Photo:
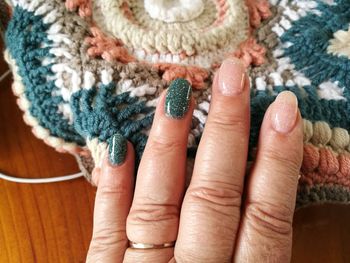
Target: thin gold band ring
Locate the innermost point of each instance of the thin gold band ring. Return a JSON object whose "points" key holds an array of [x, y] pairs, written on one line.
{"points": [[150, 246]]}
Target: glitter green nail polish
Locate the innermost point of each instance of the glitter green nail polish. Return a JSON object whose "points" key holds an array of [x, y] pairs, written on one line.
{"points": [[178, 98], [117, 149]]}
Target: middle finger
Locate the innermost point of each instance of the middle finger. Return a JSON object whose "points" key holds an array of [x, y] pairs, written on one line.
{"points": [[211, 209]]}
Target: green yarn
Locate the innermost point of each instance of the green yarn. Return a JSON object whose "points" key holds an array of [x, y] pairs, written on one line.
{"points": [[109, 114], [297, 39], [312, 108], [322, 194], [100, 113], [25, 36], [310, 36]]}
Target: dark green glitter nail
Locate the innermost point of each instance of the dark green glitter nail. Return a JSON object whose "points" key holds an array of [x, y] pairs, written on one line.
{"points": [[178, 98], [117, 149]]}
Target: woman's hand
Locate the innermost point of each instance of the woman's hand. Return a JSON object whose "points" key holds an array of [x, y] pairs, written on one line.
{"points": [[210, 222]]}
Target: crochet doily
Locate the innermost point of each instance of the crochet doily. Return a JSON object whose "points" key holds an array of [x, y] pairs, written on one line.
{"points": [[87, 69]]}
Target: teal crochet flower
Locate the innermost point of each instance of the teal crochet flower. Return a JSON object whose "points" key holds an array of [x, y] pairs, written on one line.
{"points": [[310, 37]]}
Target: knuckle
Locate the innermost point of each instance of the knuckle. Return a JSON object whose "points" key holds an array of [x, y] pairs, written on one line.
{"points": [[290, 161], [229, 122], [216, 195], [203, 254], [269, 219], [106, 238], [225, 173], [145, 214], [113, 192], [187, 256], [163, 144]]}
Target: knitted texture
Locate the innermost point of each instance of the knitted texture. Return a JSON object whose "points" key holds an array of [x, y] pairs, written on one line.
{"points": [[85, 70]]}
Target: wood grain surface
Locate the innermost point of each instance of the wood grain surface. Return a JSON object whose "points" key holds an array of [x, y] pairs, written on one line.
{"points": [[53, 222]]}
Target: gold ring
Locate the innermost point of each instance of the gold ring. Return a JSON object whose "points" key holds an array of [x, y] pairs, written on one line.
{"points": [[150, 246]]}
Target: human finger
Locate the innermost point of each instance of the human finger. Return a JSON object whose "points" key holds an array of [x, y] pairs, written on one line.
{"points": [[211, 209], [266, 225], [112, 203], [154, 214]]}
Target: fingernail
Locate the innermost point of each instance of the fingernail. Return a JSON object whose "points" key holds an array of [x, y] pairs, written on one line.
{"points": [[231, 77], [284, 112], [117, 149], [177, 100]]}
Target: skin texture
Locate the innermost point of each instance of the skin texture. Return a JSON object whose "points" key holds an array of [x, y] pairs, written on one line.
{"points": [[225, 215]]}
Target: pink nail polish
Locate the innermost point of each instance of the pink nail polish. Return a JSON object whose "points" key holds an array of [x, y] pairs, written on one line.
{"points": [[231, 77], [284, 112]]}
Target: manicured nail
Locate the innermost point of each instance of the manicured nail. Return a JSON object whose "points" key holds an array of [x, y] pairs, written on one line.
{"points": [[231, 77], [117, 149], [284, 112], [178, 97]]}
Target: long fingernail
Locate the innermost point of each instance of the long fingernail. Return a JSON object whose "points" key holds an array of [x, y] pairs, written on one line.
{"points": [[231, 77], [284, 112], [178, 97], [117, 149]]}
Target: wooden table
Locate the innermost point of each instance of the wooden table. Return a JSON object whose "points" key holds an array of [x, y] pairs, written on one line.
{"points": [[52, 222]]}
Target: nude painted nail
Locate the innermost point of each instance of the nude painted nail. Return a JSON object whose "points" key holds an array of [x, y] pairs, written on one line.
{"points": [[231, 77], [284, 112]]}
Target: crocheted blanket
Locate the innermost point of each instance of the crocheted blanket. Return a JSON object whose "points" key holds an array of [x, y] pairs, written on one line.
{"points": [[87, 69]]}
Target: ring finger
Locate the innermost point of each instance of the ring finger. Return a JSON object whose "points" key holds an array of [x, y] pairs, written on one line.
{"points": [[154, 216]]}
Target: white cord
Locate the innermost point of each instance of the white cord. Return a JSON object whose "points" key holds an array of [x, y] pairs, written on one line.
{"points": [[3, 76], [36, 180], [41, 180]]}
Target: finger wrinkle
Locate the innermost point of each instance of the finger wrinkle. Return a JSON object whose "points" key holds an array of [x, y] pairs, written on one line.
{"points": [[269, 219]]}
